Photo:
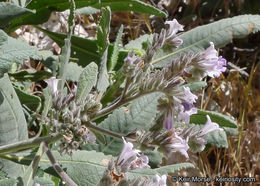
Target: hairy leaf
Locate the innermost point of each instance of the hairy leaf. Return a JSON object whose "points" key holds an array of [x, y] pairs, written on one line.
{"points": [[25, 75], [87, 167], [138, 115], [87, 81], [220, 33], [13, 125], [118, 42], [73, 72]]}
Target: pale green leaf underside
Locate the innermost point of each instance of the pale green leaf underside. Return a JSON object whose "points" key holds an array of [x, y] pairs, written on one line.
{"points": [[13, 126], [138, 115]]}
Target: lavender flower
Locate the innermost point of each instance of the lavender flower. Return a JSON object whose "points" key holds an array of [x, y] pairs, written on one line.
{"points": [[130, 158], [132, 63], [207, 63], [198, 140], [171, 37], [175, 143], [168, 120]]}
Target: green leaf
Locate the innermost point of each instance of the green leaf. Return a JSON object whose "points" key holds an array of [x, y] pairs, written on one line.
{"points": [[8, 182], [44, 181], [13, 126], [220, 33], [87, 81], [29, 174], [14, 51], [31, 101], [47, 103], [31, 75], [115, 53], [83, 49], [87, 167], [222, 120], [103, 43], [73, 72], [44, 8], [10, 11], [139, 115]]}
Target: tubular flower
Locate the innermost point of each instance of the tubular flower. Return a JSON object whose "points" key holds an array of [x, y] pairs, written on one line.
{"points": [[207, 63], [130, 158], [171, 34], [198, 140], [53, 84]]}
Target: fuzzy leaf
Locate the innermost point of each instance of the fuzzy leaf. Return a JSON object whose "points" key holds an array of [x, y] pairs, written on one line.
{"points": [[220, 33], [138, 115], [218, 139], [25, 75], [222, 120], [115, 53], [87, 167], [14, 51], [195, 86], [73, 72], [103, 42], [13, 126], [87, 80]]}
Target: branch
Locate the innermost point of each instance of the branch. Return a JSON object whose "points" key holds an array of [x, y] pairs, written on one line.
{"points": [[27, 144], [57, 167]]}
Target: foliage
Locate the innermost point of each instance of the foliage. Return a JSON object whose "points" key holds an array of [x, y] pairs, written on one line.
{"points": [[109, 99]]}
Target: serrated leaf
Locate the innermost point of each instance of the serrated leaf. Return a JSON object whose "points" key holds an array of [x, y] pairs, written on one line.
{"points": [[220, 33], [30, 75], [45, 7], [13, 126], [222, 120], [83, 49], [138, 115], [103, 42], [14, 51], [31, 101], [118, 42], [87, 80], [10, 11], [87, 167]]}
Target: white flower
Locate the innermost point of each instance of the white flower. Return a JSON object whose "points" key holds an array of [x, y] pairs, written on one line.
{"points": [[171, 37], [209, 127], [53, 84], [160, 180]]}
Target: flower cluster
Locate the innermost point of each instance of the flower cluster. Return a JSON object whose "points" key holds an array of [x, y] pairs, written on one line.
{"points": [[129, 159], [67, 116]]}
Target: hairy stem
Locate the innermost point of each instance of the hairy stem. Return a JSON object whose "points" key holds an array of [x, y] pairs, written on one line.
{"points": [[57, 167], [28, 144]]}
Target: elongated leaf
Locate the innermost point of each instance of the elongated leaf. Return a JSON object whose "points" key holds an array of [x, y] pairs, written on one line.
{"points": [[29, 174], [103, 42], [87, 80], [45, 7], [10, 11], [222, 120], [139, 115], [115, 53], [84, 49], [220, 33], [87, 167], [14, 51], [13, 125]]}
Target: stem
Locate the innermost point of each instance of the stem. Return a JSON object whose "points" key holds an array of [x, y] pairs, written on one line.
{"points": [[116, 105], [104, 131], [57, 167], [27, 144]]}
